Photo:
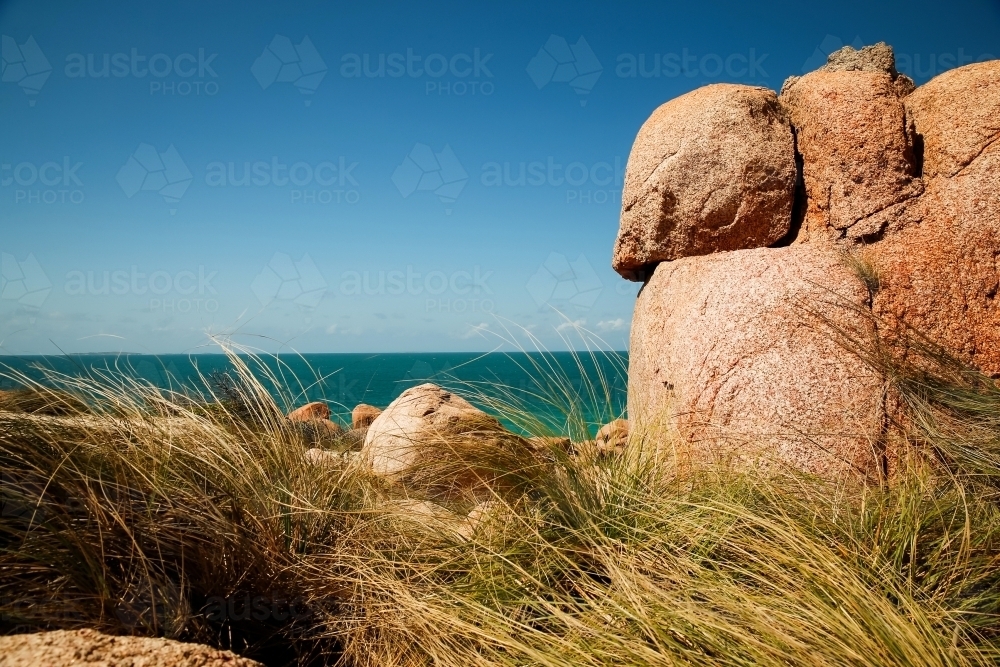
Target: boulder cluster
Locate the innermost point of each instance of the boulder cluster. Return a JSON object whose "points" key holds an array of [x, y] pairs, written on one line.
{"points": [[741, 212]]}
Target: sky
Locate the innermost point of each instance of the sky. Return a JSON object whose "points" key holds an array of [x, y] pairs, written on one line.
{"points": [[365, 177]]}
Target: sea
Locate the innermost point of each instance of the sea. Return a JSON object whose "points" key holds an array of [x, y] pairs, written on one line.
{"points": [[551, 387]]}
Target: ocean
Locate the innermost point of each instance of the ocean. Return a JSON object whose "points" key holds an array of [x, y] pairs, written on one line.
{"points": [[547, 385]]}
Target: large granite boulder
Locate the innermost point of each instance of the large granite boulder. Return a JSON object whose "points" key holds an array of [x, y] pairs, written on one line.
{"points": [[711, 170], [732, 354]]}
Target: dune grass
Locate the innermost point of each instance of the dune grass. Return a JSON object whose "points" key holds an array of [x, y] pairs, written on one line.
{"points": [[137, 512]]}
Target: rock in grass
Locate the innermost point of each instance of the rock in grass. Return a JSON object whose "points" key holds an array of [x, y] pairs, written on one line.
{"points": [[314, 411], [363, 415], [742, 370], [425, 427], [90, 648], [613, 436]]}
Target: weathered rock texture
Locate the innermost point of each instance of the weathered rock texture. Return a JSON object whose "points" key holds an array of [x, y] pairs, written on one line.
{"points": [[711, 170], [89, 648], [727, 348], [424, 424], [858, 159], [613, 436], [941, 274]]}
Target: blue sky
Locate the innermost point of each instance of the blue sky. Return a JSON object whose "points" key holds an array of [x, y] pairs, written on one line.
{"points": [[420, 175]]}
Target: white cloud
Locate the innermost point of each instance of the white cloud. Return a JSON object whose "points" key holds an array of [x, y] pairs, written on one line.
{"points": [[575, 324], [332, 329], [616, 324], [476, 330]]}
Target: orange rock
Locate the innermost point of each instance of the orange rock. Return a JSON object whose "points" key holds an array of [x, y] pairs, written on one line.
{"points": [[858, 160], [942, 275], [956, 116], [315, 411], [363, 415], [711, 170]]}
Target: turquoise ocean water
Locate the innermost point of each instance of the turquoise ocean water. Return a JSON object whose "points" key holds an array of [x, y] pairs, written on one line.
{"points": [[545, 385]]}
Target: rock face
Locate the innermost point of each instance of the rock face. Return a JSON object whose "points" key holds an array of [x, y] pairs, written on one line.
{"points": [[363, 415], [858, 158], [422, 425], [711, 170], [942, 274], [735, 351], [731, 364], [89, 648], [956, 116], [310, 412]]}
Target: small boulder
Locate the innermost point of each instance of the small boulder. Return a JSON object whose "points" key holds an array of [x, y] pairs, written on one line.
{"points": [[323, 457], [363, 415], [710, 170], [314, 411], [613, 436], [424, 427]]}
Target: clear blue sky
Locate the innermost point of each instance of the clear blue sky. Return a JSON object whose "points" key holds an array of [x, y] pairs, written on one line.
{"points": [[420, 174]]}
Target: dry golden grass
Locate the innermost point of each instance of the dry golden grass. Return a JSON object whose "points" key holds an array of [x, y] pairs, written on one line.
{"points": [[141, 513]]}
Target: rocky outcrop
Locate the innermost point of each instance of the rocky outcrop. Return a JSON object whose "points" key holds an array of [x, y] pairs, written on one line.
{"points": [[363, 415], [89, 648], [424, 429], [735, 351], [711, 170], [315, 411]]}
